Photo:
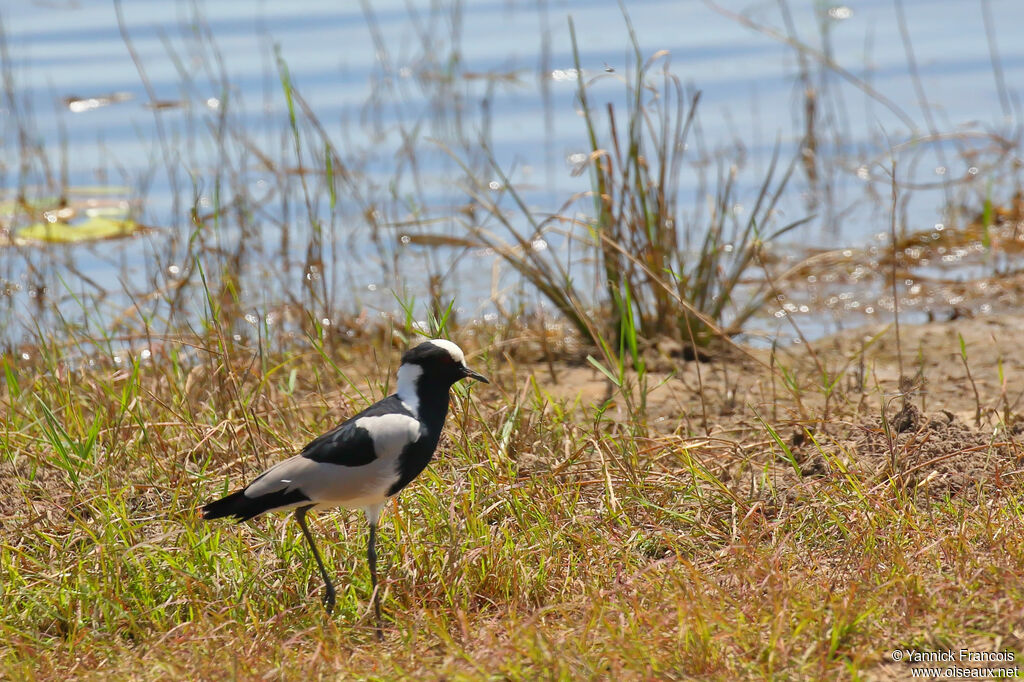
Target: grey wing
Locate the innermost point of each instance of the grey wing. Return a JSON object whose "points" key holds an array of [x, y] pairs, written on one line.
{"points": [[347, 445], [359, 440], [352, 466]]}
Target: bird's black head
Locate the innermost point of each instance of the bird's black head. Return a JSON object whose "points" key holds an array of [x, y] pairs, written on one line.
{"points": [[441, 362]]}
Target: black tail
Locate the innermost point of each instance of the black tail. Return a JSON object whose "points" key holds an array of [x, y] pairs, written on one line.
{"points": [[244, 508]]}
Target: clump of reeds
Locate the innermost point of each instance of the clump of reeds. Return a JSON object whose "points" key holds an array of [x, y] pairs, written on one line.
{"points": [[655, 273]]}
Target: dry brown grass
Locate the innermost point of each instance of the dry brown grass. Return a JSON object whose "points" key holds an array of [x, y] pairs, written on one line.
{"points": [[552, 538]]}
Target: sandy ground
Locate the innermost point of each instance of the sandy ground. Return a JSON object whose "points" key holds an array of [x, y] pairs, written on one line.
{"points": [[951, 413]]}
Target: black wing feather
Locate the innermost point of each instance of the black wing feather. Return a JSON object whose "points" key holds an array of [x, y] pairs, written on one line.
{"points": [[244, 508], [350, 445]]}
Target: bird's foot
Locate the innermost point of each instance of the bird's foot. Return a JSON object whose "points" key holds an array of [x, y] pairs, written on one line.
{"points": [[328, 600]]}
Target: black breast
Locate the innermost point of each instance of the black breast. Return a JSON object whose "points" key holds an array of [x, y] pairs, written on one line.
{"points": [[414, 459]]}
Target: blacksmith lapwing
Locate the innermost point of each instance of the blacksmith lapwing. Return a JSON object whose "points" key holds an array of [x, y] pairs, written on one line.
{"points": [[365, 460]]}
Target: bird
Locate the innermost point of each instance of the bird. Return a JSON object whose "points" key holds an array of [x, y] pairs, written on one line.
{"points": [[365, 460]]}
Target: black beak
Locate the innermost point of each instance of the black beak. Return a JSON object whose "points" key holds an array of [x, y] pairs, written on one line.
{"points": [[467, 372]]}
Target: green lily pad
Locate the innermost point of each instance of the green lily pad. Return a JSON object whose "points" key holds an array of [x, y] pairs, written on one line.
{"points": [[84, 214], [91, 229]]}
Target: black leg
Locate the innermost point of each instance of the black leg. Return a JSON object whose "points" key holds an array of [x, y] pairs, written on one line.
{"points": [[371, 556], [300, 516]]}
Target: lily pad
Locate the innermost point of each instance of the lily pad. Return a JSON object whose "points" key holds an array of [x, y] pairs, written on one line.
{"points": [[91, 229], [86, 214]]}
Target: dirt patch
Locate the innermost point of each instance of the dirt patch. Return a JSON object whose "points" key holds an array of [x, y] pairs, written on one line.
{"points": [[937, 454], [26, 492], [952, 427]]}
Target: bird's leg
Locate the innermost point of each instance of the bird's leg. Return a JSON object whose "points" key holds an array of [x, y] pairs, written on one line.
{"points": [[371, 557], [300, 516]]}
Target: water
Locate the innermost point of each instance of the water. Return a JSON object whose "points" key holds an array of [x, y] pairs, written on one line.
{"points": [[395, 87]]}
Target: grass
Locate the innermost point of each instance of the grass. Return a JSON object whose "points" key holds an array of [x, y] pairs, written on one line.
{"points": [[545, 541]]}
